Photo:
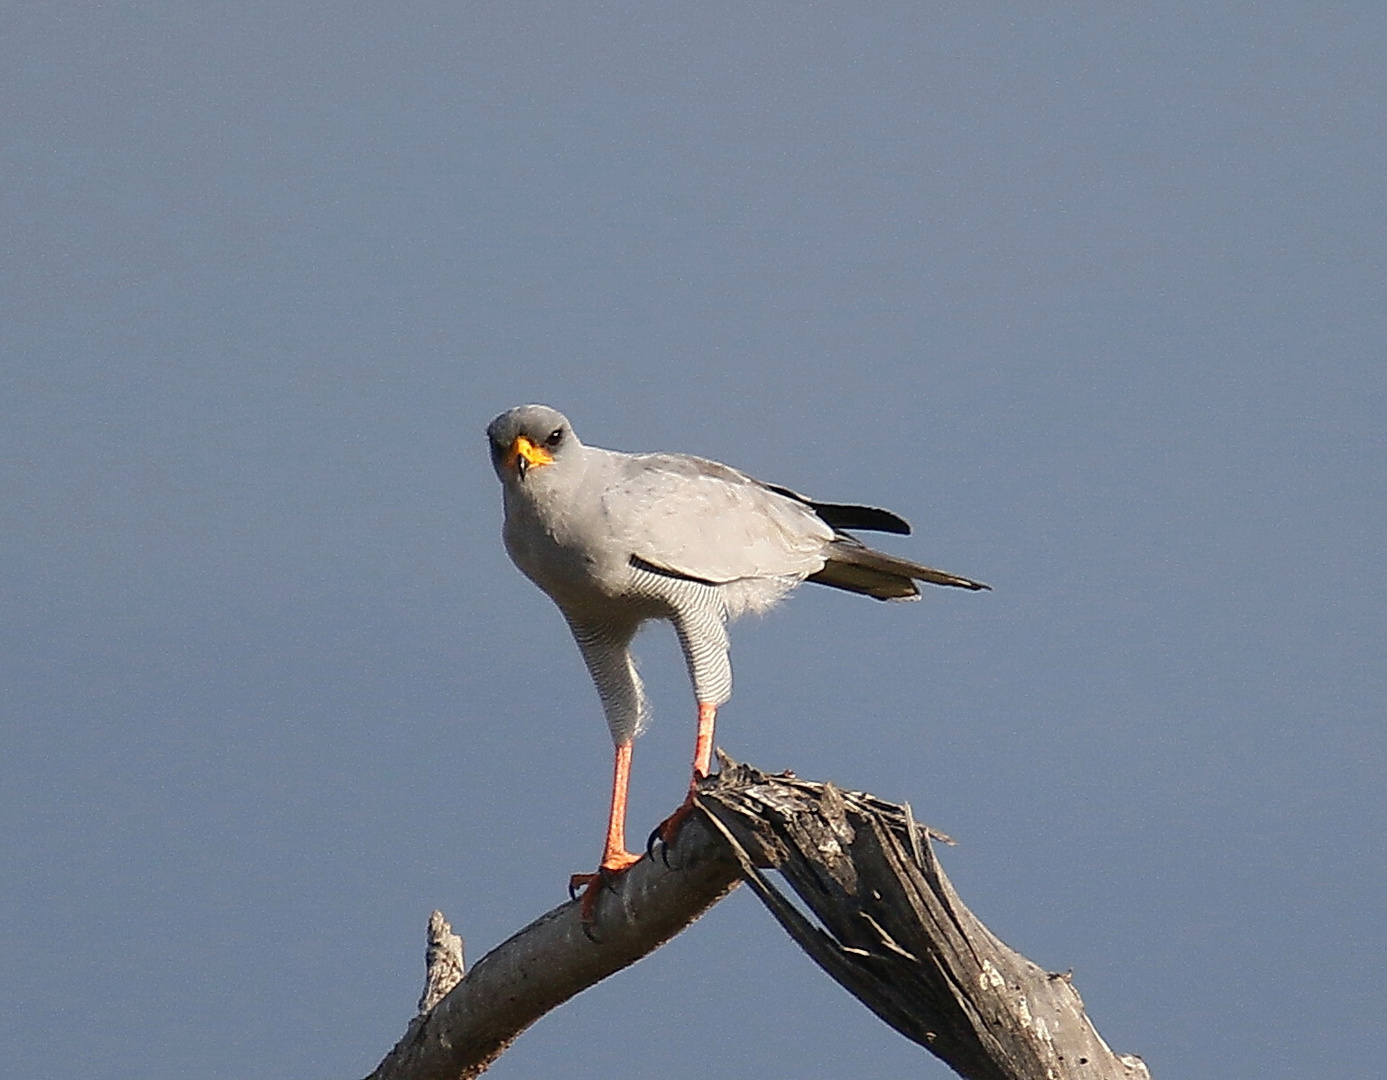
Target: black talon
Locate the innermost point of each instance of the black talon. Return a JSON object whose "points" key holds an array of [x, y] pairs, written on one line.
{"points": [[657, 834]]}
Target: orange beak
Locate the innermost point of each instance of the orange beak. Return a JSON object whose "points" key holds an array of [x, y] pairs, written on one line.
{"points": [[525, 455]]}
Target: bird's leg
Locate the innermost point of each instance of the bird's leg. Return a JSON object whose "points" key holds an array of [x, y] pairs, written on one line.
{"points": [[615, 857], [703, 744], [668, 829]]}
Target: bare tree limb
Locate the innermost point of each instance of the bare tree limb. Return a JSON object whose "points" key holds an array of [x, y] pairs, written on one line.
{"points": [[891, 930], [552, 959]]}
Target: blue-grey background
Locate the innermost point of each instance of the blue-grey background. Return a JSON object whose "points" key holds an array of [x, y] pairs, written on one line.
{"points": [[1092, 293]]}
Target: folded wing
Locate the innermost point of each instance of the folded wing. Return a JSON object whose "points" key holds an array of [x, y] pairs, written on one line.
{"points": [[699, 519]]}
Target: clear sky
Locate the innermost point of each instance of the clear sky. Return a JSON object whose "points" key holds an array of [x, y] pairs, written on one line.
{"points": [[1093, 294]]}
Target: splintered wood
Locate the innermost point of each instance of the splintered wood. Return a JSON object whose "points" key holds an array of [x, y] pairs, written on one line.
{"points": [[894, 933]]}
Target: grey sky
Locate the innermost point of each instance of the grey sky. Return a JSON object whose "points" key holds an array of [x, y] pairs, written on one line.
{"points": [[1091, 295]]}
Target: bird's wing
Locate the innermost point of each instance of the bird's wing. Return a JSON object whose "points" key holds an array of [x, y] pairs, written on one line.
{"points": [[699, 519]]}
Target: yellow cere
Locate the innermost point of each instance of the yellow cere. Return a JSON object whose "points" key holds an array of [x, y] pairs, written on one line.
{"points": [[533, 453]]}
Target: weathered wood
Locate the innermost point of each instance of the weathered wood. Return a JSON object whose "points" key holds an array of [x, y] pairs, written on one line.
{"points": [[444, 966], [896, 936], [893, 932], [553, 959]]}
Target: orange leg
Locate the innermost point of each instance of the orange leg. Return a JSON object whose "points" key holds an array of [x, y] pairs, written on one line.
{"points": [[703, 744], [702, 762], [615, 857]]}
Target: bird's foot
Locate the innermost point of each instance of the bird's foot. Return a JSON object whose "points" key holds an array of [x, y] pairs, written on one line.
{"points": [[612, 865], [668, 830]]}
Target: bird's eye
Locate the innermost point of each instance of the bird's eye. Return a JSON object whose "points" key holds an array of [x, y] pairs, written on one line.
{"points": [[555, 437]]}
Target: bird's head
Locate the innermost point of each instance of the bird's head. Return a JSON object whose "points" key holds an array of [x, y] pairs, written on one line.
{"points": [[529, 437]]}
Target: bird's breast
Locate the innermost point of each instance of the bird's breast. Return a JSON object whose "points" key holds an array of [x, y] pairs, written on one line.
{"points": [[563, 561]]}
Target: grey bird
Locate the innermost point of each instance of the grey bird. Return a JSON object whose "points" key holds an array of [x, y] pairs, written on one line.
{"points": [[617, 539]]}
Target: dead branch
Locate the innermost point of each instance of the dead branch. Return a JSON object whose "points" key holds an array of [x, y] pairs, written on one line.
{"points": [[896, 935], [893, 932], [553, 959]]}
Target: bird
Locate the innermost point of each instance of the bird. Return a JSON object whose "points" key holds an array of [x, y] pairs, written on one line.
{"points": [[619, 539]]}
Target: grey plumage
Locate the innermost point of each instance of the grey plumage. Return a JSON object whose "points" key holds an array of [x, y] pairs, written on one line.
{"points": [[617, 539]]}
